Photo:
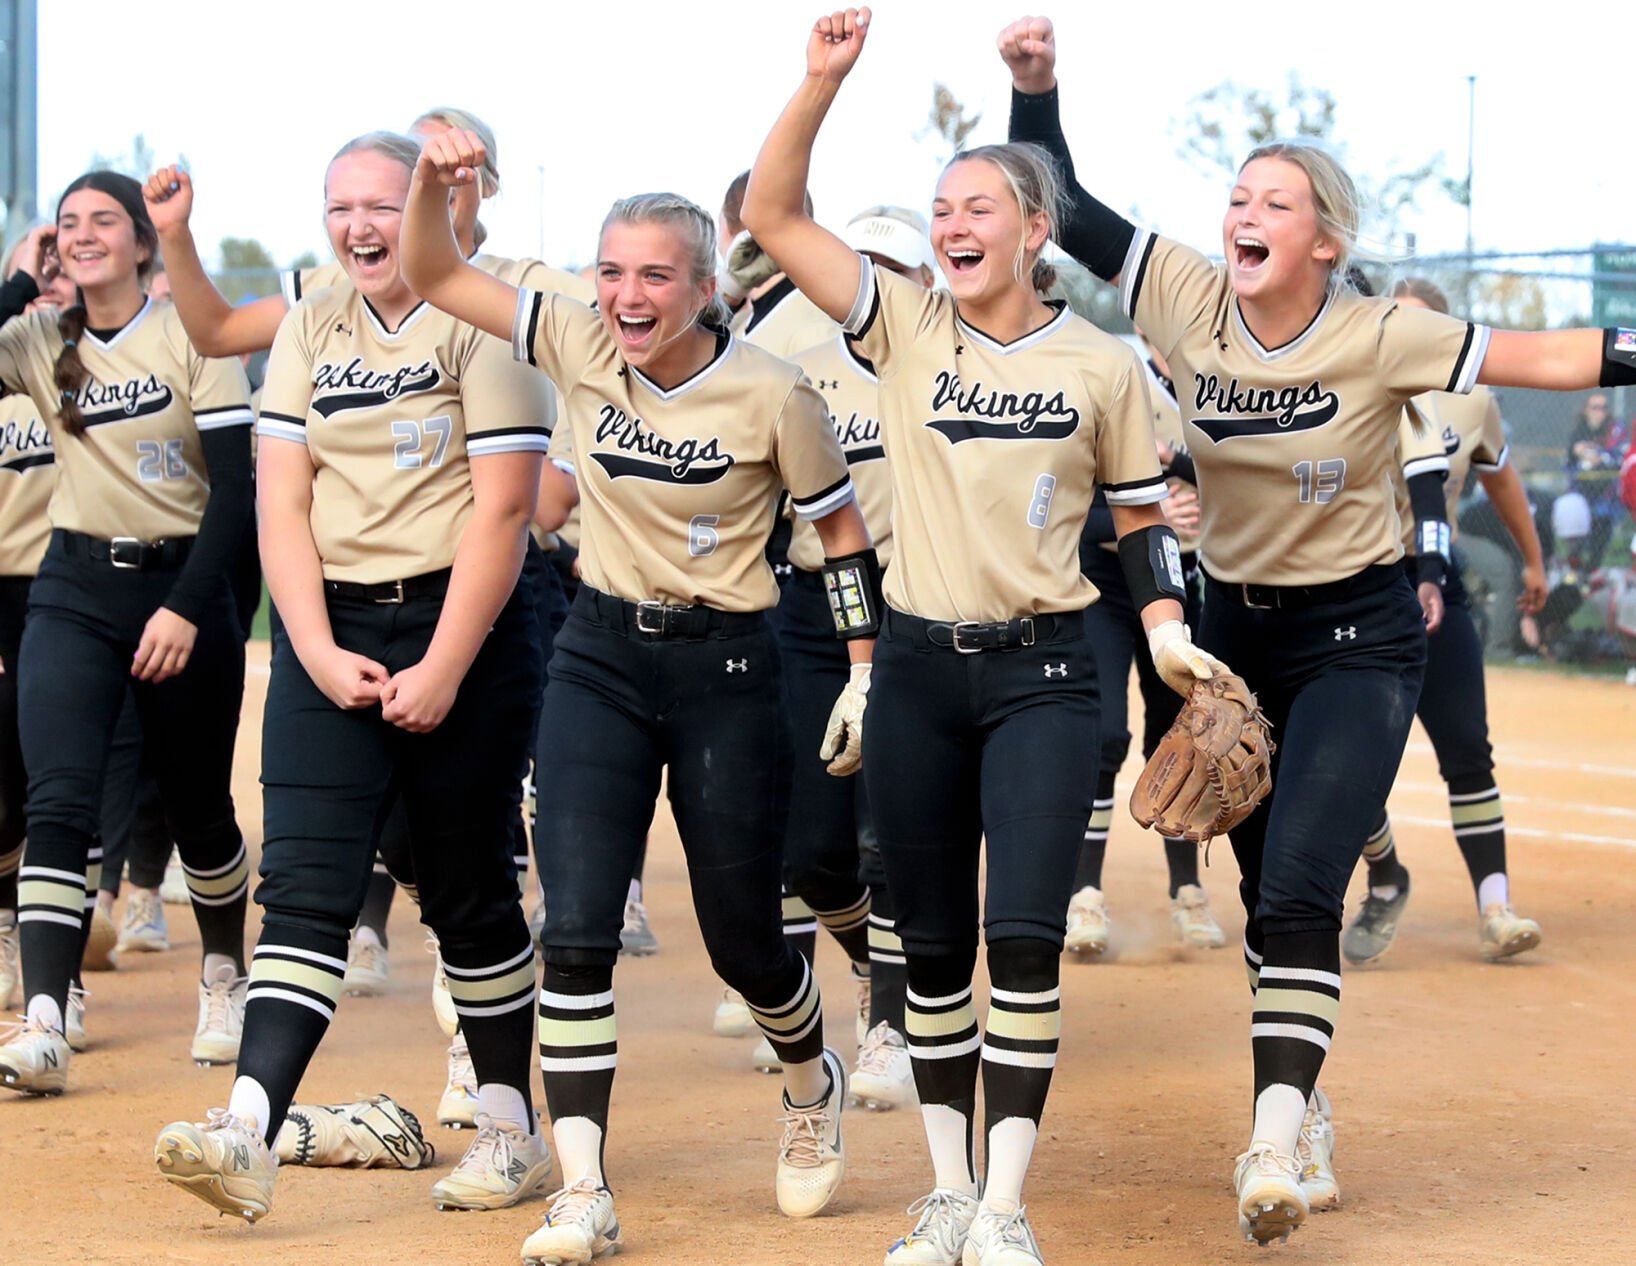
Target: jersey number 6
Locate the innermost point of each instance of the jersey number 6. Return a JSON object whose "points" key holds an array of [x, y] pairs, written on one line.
{"points": [[411, 438]]}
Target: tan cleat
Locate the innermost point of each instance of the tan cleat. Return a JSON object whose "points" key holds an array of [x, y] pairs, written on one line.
{"points": [[884, 1078], [502, 1166], [221, 1019], [369, 969], [1089, 928], [1503, 932], [457, 1109], [1195, 922], [99, 946], [732, 1018], [1270, 1201], [580, 1226], [34, 1059], [1315, 1151], [812, 1155], [373, 1133], [224, 1162]]}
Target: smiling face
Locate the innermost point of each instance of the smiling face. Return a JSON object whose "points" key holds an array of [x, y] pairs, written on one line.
{"points": [[97, 241], [645, 288], [977, 226], [1271, 235], [364, 194]]}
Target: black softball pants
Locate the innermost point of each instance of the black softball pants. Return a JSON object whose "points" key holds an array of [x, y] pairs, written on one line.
{"points": [[13, 777]]}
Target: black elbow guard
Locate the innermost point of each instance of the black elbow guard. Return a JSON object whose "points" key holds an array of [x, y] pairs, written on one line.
{"points": [[853, 586], [1618, 357], [1151, 558]]}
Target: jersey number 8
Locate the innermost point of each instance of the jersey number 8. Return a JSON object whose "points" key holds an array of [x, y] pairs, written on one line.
{"points": [[411, 438]]}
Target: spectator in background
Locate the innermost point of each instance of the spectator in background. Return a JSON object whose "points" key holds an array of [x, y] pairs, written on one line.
{"points": [[1595, 448]]}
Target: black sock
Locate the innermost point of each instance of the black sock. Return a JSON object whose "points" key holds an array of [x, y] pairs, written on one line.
{"points": [[849, 925], [800, 926], [1182, 857], [1479, 826], [217, 870], [579, 1045], [295, 982], [1380, 852], [491, 981], [378, 903], [53, 908]]}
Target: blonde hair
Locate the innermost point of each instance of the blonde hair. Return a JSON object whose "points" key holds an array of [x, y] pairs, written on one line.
{"points": [[1334, 197], [1423, 289], [488, 175], [697, 230], [394, 145], [1037, 187]]}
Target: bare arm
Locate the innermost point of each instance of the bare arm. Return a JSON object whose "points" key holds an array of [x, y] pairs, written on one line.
{"points": [[823, 267], [1555, 360], [844, 533], [432, 261], [559, 494], [1510, 500], [214, 326]]}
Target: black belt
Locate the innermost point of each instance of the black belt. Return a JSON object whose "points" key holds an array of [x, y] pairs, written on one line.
{"points": [[432, 584], [670, 620], [968, 637], [1291, 597], [127, 553]]}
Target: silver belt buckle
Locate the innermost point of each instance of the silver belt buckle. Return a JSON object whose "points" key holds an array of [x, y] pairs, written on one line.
{"points": [[395, 599], [954, 637], [125, 552], [1254, 606], [656, 608]]}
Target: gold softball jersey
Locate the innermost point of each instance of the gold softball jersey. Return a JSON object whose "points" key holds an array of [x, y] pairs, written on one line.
{"points": [[678, 486], [783, 321], [297, 283], [1293, 445], [139, 468], [996, 449], [391, 420], [28, 473], [851, 392], [1473, 438], [1419, 452]]}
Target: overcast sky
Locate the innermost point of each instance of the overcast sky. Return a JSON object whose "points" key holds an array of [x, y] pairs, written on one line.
{"points": [[620, 96]]}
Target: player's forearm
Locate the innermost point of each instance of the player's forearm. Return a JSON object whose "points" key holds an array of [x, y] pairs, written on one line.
{"points": [[431, 256], [291, 566], [203, 309], [775, 198], [1510, 501], [1550, 360]]}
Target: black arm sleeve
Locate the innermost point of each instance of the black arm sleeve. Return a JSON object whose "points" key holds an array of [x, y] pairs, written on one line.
{"points": [[204, 577], [1426, 501], [1092, 233], [19, 291]]}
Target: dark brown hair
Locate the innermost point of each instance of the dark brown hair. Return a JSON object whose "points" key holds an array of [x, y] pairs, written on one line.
{"points": [[70, 373], [732, 206]]}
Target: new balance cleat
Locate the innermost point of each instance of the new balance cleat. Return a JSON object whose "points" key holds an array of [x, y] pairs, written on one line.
{"points": [[1195, 922], [503, 1165], [580, 1226], [884, 1078], [636, 938], [142, 925], [1375, 928], [940, 1233], [812, 1155], [1315, 1152], [221, 1018], [11, 962], [457, 1109], [1270, 1201], [732, 1018], [1089, 928], [369, 971], [223, 1161], [1503, 932], [74, 1018], [33, 1058], [1001, 1239], [373, 1133], [99, 947]]}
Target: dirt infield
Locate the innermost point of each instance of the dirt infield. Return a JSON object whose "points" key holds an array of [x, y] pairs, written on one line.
{"points": [[1483, 1112]]}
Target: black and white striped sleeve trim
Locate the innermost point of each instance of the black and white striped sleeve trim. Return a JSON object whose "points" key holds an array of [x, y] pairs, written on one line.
{"points": [[1134, 273], [508, 439], [230, 415], [825, 502], [867, 305], [1138, 492], [1426, 466], [289, 281], [566, 467], [525, 324], [1499, 463], [281, 426], [1470, 361]]}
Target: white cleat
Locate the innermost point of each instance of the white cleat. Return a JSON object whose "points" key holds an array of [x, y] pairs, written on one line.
{"points": [[1089, 928], [1270, 1201], [173, 890], [1001, 1239], [1315, 1152], [142, 925], [636, 938], [580, 1226], [732, 1018], [34, 1059], [369, 970], [1503, 932], [764, 1059], [74, 1018], [1196, 925], [457, 1109], [448, 1019], [11, 962], [884, 1078], [940, 1234], [223, 1161], [503, 1165], [221, 1018], [812, 1154]]}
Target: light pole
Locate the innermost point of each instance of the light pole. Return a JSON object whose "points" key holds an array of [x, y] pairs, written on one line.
{"points": [[1471, 152]]}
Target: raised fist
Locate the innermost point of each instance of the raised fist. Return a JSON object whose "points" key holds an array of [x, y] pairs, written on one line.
{"points": [[451, 158], [169, 197], [836, 40], [1029, 48]]}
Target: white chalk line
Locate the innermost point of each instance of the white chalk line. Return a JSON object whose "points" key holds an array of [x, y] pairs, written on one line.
{"points": [[1528, 832], [1511, 797]]}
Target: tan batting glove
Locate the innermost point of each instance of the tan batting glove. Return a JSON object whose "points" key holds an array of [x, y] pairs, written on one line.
{"points": [[843, 739], [745, 268], [1179, 662]]}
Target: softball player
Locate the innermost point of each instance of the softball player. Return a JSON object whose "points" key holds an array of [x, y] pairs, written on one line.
{"points": [[1470, 436], [152, 498], [683, 437], [1292, 386], [1115, 630], [399, 463], [1000, 415]]}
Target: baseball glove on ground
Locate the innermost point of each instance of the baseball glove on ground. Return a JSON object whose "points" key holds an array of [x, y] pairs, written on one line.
{"points": [[1212, 767]]}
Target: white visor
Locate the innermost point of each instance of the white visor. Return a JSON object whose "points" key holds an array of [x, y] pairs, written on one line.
{"points": [[893, 239]]}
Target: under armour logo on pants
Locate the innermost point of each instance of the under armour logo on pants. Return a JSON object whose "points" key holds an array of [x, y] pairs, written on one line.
{"points": [[1056, 670], [738, 665], [1348, 634]]}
